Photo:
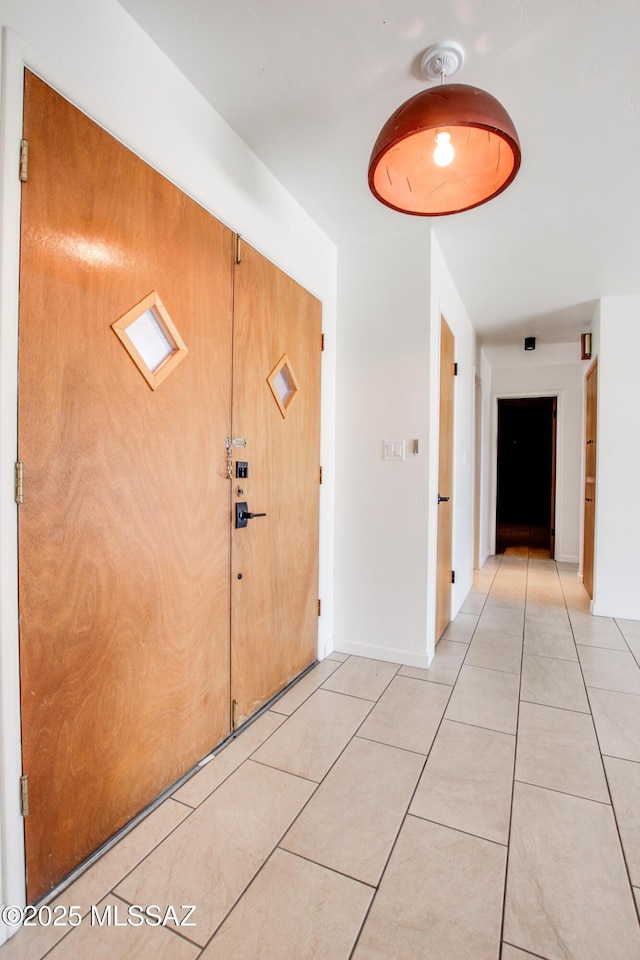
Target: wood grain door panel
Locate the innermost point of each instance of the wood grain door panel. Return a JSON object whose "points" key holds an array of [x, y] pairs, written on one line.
{"points": [[274, 580], [124, 531], [591, 441], [445, 480]]}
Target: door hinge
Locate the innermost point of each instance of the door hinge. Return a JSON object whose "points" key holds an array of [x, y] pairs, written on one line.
{"points": [[24, 160], [455, 369], [238, 248], [321, 342], [453, 576], [24, 796], [553, 531], [320, 474], [19, 481], [319, 608]]}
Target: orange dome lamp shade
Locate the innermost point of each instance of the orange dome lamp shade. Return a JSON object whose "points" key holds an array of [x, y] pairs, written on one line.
{"points": [[448, 149]]}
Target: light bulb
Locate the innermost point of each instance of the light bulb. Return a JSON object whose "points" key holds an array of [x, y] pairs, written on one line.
{"points": [[443, 153]]}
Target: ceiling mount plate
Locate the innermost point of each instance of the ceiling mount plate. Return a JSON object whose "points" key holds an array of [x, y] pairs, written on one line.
{"points": [[443, 58]]}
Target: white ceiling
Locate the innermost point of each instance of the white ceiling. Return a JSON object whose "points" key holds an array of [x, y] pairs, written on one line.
{"points": [[308, 84]]}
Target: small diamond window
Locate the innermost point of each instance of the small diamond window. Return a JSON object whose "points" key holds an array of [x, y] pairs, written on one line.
{"points": [[151, 338], [283, 384]]}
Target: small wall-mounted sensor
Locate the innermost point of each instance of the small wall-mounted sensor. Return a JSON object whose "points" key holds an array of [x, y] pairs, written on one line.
{"points": [[416, 447], [585, 346], [529, 343]]}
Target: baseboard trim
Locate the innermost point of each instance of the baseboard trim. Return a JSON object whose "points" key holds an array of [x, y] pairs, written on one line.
{"points": [[410, 658], [618, 613]]}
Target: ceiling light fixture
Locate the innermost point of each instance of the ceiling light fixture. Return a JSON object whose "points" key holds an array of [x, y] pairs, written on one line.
{"points": [[448, 149]]}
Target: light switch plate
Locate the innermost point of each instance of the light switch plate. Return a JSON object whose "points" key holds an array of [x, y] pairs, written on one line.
{"points": [[394, 450]]}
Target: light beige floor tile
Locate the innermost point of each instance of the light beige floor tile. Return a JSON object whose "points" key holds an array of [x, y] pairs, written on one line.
{"points": [[473, 604], [543, 567], [634, 645], [551, 597], [216, 771], [116, 939], [617, 720], [558, 749], [507, 590], [540, 613], [568, 895], [445, 665], [485, 698], [461, 628], [517, 552], [502, 620], [556, 683], [467, 781], [407, 715], [94, 884], [305, 687], [510, 582], [542, 639], [360, 677], [624, 784], [610, 669], [352, 820], [636, 893], [311, 739], [495, 651], [293, 909], [482, 581], [576, 597], [512, 953], [214, 854], [629, 628], [440, 897], [509, 600], [567, 570], [336, 655], [596, 631]]}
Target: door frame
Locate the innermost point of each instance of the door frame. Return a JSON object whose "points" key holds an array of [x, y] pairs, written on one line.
{"points": [[493, 497], [12, 859], [593, 370]]}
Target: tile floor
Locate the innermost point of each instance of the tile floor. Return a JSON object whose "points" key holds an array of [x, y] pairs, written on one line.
{"points": [[486, 808]]}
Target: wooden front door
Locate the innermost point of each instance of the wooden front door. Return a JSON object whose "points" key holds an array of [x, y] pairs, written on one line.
{"points": [[276, 436], [590, 477], [445, 479], [124, 528]]}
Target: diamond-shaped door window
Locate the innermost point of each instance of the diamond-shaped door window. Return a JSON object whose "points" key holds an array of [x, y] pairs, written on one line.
{"points": [[151, 338], [283, 384]]}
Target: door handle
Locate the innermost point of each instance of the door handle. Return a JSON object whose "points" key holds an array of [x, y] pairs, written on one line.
{"points": [[243, 514], [443, 499], [589, 499]]}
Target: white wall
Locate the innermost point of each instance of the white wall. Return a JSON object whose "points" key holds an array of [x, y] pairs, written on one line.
{"points": [[382, 394], [486, 543], [446, 302], [617, 555], [550, 370], [390, 298], [98, 57]]}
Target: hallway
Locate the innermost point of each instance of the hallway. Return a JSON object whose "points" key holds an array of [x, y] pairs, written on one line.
{"points": [[376, 810]]}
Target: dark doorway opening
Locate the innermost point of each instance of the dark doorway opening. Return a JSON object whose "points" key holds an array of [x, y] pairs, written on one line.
{"points": [[526, 474]]}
